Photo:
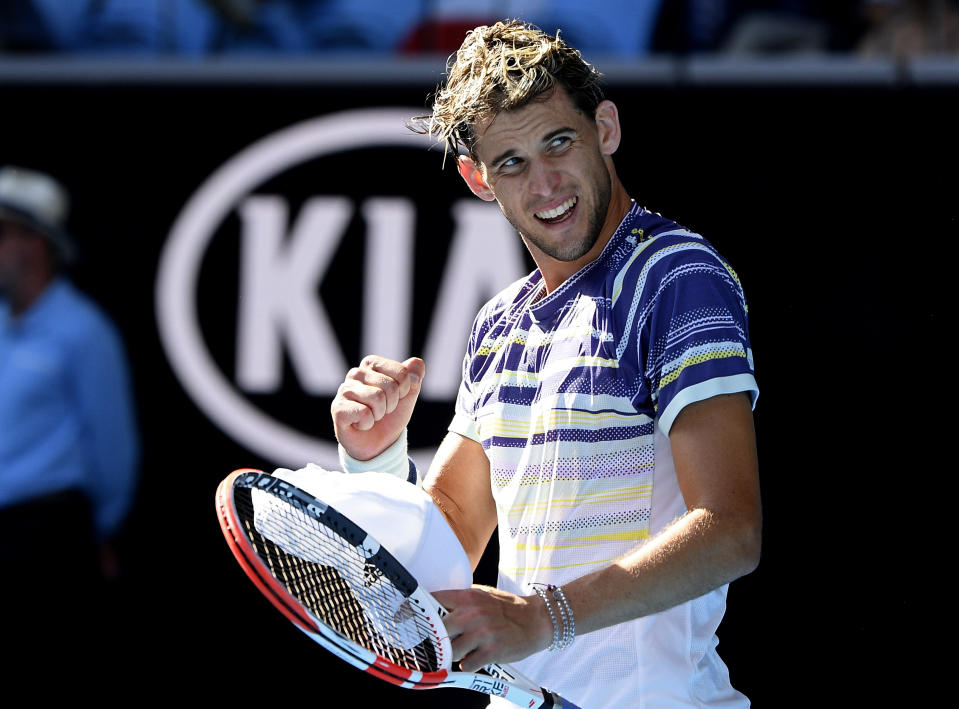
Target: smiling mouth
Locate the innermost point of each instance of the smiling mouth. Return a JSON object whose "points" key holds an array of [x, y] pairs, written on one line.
{"points": [[557, 214]]}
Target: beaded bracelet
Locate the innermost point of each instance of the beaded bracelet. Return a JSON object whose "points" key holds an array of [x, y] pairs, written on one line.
{"points": [[569, 623], [552, 617]]}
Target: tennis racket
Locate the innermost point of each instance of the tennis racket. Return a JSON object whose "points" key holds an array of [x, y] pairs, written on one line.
{"points": [[343, 589]]}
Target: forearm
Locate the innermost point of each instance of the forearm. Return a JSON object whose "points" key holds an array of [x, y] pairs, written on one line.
{"points": [[697, 553], [700, 551]]}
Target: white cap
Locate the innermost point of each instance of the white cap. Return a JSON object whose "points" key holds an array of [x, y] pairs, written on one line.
{"points": [[39, 202], [400, 516]]}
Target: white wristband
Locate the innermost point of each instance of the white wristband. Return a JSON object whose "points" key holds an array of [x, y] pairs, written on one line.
{"points": [[393, 460]]}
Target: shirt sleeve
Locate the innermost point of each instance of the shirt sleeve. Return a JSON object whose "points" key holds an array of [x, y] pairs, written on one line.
{"points": [[109, 423], [464, 414], [696, 336], [464, 418]]}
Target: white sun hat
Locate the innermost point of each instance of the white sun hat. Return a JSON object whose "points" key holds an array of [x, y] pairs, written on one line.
{"points": [[400, 516], [38, 202]]}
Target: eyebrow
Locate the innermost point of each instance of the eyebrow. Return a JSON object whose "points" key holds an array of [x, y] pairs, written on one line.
{"points": [[546, 139]]}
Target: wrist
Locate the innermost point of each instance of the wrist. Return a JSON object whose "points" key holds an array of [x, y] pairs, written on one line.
{"points": [[547, 626], [560, 614], [393, 460]]}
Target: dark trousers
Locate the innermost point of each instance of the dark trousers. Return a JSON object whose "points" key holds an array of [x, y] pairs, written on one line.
{"points": [[51, 589]]}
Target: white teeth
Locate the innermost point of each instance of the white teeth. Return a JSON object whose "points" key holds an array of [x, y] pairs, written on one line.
{"points": [[557, 211]]}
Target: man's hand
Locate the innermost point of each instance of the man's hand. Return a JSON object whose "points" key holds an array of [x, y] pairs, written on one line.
{"points": [[374, 404], [489, 625]]}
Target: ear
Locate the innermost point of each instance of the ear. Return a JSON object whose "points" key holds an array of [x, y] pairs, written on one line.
{"points": [[473, 177], [607, 125]]}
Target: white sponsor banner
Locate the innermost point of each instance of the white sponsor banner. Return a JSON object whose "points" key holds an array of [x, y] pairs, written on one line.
{"points": [[282, 258]]}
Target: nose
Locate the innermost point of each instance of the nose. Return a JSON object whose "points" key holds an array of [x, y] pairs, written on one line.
{"points": [[543, 178]]}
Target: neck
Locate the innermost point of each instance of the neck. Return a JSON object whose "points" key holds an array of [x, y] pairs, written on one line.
{"points": [[28, 292]]}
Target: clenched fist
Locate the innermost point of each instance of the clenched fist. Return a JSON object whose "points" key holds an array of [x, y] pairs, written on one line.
{"points": [[374, 404]]}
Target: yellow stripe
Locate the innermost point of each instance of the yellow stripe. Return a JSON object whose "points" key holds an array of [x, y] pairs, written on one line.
{"points": [[520, 510], [733, 274], [631, 536], [511, 374], [522, 570], [500, 344], [698, 359], [626, 493]]}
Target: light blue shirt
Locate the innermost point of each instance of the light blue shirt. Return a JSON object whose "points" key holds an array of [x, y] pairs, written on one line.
{"points": [[67, 416]]}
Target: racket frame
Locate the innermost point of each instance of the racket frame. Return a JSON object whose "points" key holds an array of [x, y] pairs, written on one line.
{"points": [[495, 680]]}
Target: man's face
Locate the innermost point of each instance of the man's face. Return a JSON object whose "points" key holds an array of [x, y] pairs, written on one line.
{"points": [[545, 165], [16, 245]]}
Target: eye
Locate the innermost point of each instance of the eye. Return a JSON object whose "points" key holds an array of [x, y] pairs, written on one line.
{"points": [[560, 143], [510, 164]]}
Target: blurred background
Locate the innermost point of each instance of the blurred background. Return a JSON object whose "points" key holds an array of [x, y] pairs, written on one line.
{"points": [[244, 197]]}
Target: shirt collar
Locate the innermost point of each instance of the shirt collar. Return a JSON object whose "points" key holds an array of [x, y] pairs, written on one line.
{"points": [[45, 303]]}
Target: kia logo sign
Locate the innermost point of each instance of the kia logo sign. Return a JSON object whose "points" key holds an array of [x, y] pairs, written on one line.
{"points": [[282, 247]]}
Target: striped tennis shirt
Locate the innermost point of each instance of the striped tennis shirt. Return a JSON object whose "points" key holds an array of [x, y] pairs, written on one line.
{"points": [[572, 395]]}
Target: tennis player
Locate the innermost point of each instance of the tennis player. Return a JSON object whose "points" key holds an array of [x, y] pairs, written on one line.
{"points": [[604, 423]]}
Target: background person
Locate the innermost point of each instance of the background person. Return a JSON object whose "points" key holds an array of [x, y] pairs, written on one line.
{"points": [[69, 444]]}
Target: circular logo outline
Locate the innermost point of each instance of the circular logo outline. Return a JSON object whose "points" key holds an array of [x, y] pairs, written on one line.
{"points": [[192, 231]]}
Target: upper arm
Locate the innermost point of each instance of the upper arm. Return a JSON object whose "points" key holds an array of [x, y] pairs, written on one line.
{"points": [[459, 483], [714, 451]]}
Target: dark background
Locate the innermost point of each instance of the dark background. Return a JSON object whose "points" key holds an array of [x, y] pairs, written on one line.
{"points": [[835, 200]]}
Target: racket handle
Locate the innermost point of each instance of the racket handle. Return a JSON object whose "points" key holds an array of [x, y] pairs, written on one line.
{"points": [[556, 701]]}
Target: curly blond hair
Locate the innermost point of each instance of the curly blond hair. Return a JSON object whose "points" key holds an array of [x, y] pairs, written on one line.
{"points": [[502, 67]]}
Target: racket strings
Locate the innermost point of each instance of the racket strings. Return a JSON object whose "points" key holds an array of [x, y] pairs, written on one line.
{"points": [[340, 584]]}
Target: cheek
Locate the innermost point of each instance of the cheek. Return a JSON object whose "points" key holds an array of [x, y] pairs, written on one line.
{"points": [[509, 198]]}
